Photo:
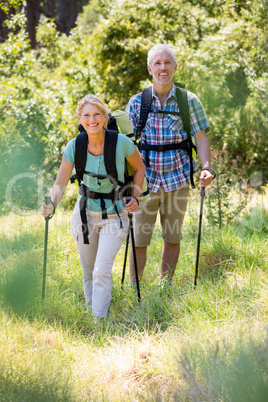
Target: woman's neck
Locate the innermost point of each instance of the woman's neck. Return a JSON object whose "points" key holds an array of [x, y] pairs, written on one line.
{"points": [[96, 143]]}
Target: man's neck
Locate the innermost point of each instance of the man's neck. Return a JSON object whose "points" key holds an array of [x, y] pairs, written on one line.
{"points": [[162, 91]]}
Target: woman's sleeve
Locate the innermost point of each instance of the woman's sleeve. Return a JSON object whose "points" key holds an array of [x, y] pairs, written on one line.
{"points": [[128, 147], [69, 151]]}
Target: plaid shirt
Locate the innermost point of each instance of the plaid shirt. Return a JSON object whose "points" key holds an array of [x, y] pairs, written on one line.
{"points": [[169, 169]]}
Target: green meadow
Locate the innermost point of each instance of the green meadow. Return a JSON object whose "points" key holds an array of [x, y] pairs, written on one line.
{"points": [[208, 343]]}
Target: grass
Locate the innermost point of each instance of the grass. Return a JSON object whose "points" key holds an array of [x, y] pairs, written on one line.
{"points": [[180, 344]]}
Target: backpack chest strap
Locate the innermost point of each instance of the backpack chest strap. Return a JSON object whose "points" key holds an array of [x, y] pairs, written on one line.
{"points": [[165, 147], [184, 145], [166, 112], [86, 194]]}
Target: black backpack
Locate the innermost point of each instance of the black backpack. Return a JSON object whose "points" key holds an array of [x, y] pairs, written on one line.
{"points": [[120, 189], [187, 144], [109, 152]]}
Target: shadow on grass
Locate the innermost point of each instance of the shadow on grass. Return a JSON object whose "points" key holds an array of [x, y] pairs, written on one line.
{"points": [[20, 244], [228, 371], [33, 384], [21, 285], [20, 281], [21, 277]]}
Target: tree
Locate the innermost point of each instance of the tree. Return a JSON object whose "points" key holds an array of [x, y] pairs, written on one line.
{"points": [[3, 28], [32, 15], [67, 10], [50, 8], [63, 12]]}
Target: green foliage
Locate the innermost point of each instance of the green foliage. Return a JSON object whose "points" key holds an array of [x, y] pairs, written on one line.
{"points": [[255, 222], [37, 107], [6, 5], [228, 194], [222, 56], [90, 16], [121, 41], [222, 73]]}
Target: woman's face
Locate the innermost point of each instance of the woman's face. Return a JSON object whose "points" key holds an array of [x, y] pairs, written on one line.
{"points": [[92, 119]]}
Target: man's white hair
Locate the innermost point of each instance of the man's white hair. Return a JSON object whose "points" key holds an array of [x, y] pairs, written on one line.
{"points": [[160, 46]]}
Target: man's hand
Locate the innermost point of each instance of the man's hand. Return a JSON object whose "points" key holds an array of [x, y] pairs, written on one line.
{"points": [[206, 177]]}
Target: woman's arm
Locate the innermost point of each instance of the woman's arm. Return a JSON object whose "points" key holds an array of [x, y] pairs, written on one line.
{"points": [[59, 187], [136, 163]]}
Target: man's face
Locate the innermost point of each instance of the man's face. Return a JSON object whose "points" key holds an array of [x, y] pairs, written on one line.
{"points": [[162, 68]]}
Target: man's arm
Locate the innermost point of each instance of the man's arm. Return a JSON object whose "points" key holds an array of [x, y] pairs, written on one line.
{"points": [[203, 150]]}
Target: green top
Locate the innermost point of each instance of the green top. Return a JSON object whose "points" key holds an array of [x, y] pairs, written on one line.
{"points": [[95, 164]]}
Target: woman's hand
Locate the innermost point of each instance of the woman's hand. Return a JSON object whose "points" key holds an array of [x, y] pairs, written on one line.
{"points": [[132, 204], [47, 209]]}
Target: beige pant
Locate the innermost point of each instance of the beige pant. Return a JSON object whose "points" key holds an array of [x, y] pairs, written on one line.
{"points": [[97, 258], [172, 207]]}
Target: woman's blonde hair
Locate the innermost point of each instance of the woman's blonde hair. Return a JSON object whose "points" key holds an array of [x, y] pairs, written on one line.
{"points": [[96, 101]]}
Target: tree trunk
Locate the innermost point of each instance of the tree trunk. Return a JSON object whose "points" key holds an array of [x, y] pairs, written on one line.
{"points": [[51, 8], [32, 15], [3, 29], [67, 12]]}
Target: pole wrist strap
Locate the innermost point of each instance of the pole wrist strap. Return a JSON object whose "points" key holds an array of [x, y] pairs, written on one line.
{"points": [[136, 199], [211, 171]]}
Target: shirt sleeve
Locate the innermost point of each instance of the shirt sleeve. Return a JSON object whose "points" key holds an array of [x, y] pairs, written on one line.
{"points": [[133, 109], [198, 117], [127, 146], [69, 151]]}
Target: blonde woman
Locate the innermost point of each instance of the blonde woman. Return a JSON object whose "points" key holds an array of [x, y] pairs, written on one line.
{"points": [[105, 234]]}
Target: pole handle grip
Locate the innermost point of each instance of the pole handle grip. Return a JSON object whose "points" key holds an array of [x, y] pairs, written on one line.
{"points": [[47, 199]]}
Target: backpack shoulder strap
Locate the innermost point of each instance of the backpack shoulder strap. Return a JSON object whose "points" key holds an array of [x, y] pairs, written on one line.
{"points": [[80, 158], [109, 153], [146, 102], [182, 100]]}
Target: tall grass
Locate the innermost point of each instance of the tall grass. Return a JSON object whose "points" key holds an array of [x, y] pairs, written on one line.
{"points": [[182, 343]]}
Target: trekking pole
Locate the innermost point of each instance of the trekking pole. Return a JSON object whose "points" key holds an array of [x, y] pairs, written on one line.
{"points": [[47, 201], [125, 258], [199, 234], [134, 255]]}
